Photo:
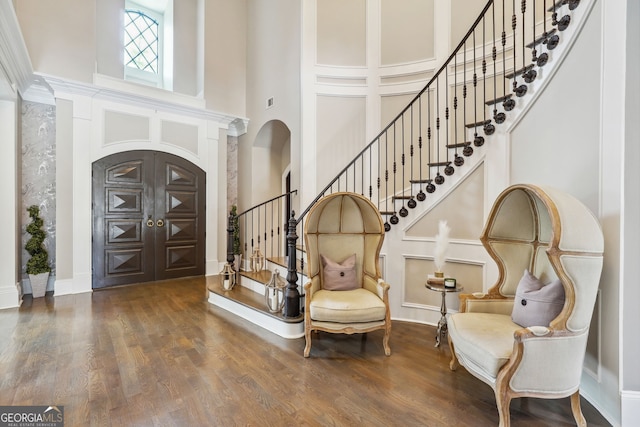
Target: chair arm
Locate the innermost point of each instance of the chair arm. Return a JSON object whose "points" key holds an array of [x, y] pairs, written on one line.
{"points": [[382, 289], [532, 332], [545, 361], [486, 303]]}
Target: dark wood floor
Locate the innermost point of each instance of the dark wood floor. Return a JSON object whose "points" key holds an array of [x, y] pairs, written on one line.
{"points": [[160, 355]]}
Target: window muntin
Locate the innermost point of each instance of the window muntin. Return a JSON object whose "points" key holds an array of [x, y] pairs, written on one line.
{"points": [[141, 42]]}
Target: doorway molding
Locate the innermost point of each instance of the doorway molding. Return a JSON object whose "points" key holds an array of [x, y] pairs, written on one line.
{"points": [[93, 126]]}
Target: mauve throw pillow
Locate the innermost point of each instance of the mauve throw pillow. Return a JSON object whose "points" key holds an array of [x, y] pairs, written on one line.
{"points": [[536, 303], [339, 276]]}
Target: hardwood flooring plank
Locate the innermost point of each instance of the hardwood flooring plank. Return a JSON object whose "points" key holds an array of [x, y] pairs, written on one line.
{"points": [[159, 354]]}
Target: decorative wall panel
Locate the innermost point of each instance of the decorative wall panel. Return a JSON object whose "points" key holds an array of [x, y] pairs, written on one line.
{"points": [[120, 127], [39, 174]]}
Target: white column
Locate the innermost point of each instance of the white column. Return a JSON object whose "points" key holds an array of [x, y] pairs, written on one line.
{"points": [[216, 170], [82, 229], [10, 249]]}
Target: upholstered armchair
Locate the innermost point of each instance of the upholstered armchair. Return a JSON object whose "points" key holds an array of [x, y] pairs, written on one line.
{"points": [[345, 294], [552, 238]]}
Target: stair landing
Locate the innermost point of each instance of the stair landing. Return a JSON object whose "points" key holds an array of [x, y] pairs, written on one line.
{"points": [[251, 306]]}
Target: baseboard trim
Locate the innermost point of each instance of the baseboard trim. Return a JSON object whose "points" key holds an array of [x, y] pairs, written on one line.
{"points": [[283, 329], [630, 407]]}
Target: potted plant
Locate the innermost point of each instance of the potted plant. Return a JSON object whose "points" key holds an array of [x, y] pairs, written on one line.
{"points": [[38, 265], [237, 249]]}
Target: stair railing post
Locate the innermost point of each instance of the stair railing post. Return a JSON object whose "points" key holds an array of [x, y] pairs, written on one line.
{"points": [[230, 229], [291, 293]]}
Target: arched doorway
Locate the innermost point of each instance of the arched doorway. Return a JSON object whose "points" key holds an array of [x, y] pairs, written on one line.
{"points": [[148, 218]]}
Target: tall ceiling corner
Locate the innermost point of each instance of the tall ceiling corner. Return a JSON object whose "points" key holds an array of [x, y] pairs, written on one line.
{"points": [[15, 64]]}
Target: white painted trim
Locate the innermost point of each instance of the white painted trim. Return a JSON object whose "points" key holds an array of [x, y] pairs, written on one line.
{"points": [[122, 92], [630, 407], [14, 57], [283, 329], [9, 297]]}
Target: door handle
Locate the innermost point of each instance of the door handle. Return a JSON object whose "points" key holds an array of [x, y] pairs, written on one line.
{"points": [[150, 222], [160, 223]]}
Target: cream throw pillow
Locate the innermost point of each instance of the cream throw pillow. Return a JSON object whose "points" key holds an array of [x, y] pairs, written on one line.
{"points": [[339, 276]]}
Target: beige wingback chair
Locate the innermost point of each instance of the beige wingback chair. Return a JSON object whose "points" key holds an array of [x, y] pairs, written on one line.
{"points": [[338, 226], [553, 235]]}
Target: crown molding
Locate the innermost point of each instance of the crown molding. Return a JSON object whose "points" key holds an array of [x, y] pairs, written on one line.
{"points": [[116, 90], [14, 57]]}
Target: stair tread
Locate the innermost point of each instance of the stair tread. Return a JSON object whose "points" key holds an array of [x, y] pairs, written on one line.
{"points": [[480, 123], [436, 164], [541, 38], [520, 71], [421, 181], [249, 298], [402, 197], [500, 99], [459, 144]]}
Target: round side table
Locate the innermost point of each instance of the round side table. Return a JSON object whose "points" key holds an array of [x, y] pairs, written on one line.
{"points": [[442, 324]]}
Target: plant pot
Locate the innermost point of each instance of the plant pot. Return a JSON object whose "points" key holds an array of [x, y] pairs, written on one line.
{"points": [[237, 262], [39, 284]]}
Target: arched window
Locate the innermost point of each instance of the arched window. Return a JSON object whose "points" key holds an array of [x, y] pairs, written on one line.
{"points": [[144, 56], [141, 46]]}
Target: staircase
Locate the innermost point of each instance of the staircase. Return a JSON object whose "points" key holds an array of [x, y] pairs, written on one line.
{"points": [[490, 79]]}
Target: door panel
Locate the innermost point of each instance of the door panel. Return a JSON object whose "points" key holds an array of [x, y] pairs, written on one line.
{"points": [[180, 206], [148, 218]]}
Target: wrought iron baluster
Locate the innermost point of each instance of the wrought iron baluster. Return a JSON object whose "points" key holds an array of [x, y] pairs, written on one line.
{"points": [[387, 226], [448, 169], [420, 196], [394, 218], [411, 203], [403, 210], [430, 187]]}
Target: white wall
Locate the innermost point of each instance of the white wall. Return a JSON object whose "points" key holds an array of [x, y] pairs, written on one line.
{"points": [[568, 139], [630, 292], [55, 46], [273, 70]]}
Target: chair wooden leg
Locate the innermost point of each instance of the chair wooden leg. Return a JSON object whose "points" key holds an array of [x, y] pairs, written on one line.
{"points": [[503, 401], [453, 365], [385, 341], [307, 338], [577, 411]]}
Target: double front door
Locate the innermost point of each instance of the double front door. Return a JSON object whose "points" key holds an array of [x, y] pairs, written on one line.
{"points": [[148, 218]]}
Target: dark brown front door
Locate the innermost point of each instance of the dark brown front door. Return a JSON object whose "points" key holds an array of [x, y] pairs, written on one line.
{"points": [[148, 218]]}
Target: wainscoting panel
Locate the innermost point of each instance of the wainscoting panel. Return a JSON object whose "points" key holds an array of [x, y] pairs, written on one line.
{"points": [[468, 274]]}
